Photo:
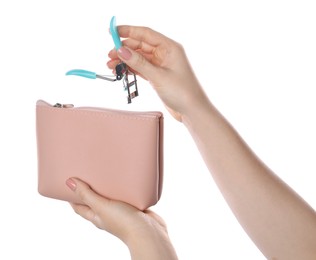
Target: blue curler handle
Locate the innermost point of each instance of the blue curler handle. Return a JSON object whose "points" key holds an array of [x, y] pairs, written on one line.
{"points": [[114, 33], [82, 73]]}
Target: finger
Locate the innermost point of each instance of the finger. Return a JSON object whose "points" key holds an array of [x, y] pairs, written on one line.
{"points": [[85, 194], [138, 45], [148, 56], [114, 58], [113, 54], [142, 34], [84, 211], [139, 63], [135, 45], [112, 63]]}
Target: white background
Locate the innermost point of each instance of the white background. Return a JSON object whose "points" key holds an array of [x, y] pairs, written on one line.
{"points": [[256, 61]]}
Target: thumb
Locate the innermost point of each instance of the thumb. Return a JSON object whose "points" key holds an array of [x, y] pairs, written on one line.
{"points": [[138, 63], [84, 193]]}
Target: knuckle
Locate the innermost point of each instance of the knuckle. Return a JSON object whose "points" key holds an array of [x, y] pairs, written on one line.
{"points": [[82, 194], [145, 30], [145, 33], [76, 210], [178, 47], [140, 61]]}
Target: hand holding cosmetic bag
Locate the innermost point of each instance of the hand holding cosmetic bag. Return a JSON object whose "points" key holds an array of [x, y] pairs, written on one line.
{"points": [[118, 153]]}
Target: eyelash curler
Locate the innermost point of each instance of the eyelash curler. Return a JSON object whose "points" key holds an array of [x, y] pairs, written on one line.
{"points": [[121, 69]]}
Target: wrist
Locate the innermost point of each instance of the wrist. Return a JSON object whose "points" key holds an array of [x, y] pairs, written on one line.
{"points": [[151, 244], [198, 109]]}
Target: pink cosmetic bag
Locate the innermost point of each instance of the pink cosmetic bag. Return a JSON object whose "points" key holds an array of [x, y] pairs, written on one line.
{"points": [[118, 153]]}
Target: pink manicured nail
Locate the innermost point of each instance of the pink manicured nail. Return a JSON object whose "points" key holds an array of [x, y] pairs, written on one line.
{"points": [[124, 53], [71, 184]]}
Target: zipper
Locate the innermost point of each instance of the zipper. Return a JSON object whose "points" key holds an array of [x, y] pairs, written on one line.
{"points": [[59, 105], [155, 114]]}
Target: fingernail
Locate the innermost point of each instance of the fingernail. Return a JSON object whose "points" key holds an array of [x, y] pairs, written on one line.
{"points": [[71, 184], [124, 53]]}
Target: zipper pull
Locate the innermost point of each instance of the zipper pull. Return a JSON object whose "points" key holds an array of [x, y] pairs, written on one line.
{"points": [[59, 105]]}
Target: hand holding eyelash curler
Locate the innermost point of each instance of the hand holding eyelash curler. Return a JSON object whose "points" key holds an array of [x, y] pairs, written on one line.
{"points": [[121, 69]]}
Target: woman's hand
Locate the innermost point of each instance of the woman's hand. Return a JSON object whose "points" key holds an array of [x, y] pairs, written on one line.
{"points": [[163, 63], [144, 232]]}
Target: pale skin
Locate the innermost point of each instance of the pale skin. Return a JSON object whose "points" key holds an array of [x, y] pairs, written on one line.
{"points": [[279, 221]]}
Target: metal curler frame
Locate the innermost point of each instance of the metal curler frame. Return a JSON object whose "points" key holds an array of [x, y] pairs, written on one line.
{"points": [[122, 72]]}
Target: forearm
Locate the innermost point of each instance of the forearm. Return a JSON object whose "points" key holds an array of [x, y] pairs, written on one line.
{"points": [[279, 222]]}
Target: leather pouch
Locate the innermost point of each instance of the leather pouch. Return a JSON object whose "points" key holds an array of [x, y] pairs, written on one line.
{"points": [[118, 153]]}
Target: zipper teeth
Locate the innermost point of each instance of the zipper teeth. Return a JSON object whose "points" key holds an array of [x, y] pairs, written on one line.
{"points": [[113, 111]]}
